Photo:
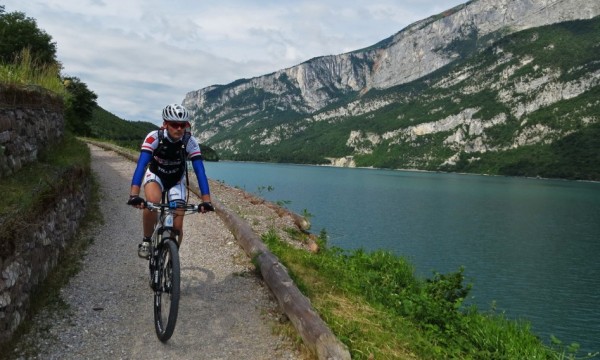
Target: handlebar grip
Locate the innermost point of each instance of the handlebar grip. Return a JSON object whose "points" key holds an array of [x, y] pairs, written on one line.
{"points": [[206, 206], [135, 201]]}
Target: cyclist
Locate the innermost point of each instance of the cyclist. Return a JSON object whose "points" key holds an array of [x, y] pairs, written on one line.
{"points": [[162, 166]]}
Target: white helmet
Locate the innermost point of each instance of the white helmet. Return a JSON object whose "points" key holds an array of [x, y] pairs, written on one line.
{"points": [[175, 112]]}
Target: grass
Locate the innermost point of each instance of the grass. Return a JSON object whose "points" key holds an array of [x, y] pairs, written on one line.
{"points": [[31, 185], [26, 71], [376, 305]]}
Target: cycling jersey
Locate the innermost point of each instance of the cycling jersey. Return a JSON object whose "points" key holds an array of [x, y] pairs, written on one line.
{"points": [[167, 160]]}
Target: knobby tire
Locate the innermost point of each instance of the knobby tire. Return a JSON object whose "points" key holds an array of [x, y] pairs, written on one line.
{"points": [[166, 296]]}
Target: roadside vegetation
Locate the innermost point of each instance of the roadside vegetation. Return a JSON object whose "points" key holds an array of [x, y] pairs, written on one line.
{"points": [[28, 188], [376, 305], [25, 71]]}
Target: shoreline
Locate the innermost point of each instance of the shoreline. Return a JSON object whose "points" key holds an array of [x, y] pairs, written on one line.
{"points": [[406, 170]]}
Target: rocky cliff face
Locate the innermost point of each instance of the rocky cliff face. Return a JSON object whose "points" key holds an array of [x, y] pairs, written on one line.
{"points": [[434, 42], [276, 108]]}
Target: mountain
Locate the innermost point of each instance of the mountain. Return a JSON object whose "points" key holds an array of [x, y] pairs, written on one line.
{"points": [[490, 86]]}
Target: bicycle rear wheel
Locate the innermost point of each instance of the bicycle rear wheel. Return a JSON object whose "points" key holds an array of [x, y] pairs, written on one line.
{"points": [[166, 295]]}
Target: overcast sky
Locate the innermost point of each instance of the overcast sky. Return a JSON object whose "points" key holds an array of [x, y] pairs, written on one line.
{"points": [[140, 55]]}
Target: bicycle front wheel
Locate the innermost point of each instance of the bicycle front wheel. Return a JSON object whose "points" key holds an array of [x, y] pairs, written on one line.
{"points": [[166, 294]]}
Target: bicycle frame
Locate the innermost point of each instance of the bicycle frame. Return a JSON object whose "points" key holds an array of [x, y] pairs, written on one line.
{"points": [[163, 230], [164, 222], [164, 266], [163, 226]]}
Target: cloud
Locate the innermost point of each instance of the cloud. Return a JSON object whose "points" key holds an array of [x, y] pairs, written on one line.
{"points": [[139, 55]]}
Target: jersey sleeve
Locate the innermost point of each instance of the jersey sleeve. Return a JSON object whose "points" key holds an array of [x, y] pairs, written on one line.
{"points": [[193, 149], [151, 141], [140, 169], [198, 166], [195, 156]]}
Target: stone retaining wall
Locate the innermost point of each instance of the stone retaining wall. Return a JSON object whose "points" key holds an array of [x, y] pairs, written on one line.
{"points": [[30, 119], [37, 252], [30, 244]]}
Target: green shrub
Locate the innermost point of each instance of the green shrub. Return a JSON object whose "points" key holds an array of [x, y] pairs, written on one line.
{"points": [[377, 306]]}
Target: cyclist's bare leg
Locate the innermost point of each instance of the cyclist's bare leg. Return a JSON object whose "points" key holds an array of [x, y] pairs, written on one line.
{"points": [[178, 193], [153, 193], [178, 224]]}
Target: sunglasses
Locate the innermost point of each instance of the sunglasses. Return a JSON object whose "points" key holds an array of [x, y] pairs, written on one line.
{"points": [[177, 125]]}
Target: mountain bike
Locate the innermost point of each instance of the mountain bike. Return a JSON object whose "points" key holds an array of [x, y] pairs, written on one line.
{"points": [[164, 266]]}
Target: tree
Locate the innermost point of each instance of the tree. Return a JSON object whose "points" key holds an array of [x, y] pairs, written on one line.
{"points": [[80, 106], [17, 32]]}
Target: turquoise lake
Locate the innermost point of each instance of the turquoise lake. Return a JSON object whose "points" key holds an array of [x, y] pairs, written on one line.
{"points": [[530, 246]]}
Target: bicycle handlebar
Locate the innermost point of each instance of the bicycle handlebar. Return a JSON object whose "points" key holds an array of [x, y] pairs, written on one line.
{"points": [[136, 201], [171, 206]]}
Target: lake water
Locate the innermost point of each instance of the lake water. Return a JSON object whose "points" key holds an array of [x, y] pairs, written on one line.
{"points": [[531, 246]]}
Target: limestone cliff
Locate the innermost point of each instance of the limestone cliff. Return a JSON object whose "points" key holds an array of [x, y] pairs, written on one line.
{"points": [[360, 103]]}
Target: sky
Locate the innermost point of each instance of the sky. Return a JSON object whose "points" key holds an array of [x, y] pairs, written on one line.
{"points": [[140, 55]]}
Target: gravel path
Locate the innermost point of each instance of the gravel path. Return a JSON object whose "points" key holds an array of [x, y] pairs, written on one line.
{"points": [[225, 311]]}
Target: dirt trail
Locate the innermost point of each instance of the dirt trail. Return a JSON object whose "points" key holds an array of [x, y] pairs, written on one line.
{"points": [[225, 310]]}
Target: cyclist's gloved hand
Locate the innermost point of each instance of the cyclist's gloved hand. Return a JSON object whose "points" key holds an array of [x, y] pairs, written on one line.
{"points": [[206, 207], [135, 200]]}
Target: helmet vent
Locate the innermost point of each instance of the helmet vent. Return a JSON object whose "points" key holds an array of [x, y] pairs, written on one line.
{"points": [[175, 112]]}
